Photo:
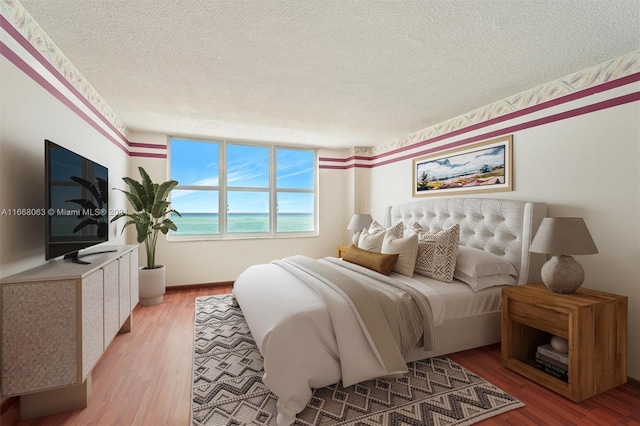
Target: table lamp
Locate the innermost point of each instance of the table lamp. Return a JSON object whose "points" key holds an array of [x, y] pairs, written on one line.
{"points": [[563, 237], [357, 223]]}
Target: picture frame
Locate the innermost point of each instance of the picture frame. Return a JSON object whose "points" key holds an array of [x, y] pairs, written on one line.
{"points": [[481, 167]]}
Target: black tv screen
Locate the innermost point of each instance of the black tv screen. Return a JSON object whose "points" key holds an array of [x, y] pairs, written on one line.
{"points": [[77, 202]]}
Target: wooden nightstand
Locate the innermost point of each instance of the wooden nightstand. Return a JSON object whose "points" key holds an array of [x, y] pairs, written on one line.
{"points": [[342, 249], [594, 322]]}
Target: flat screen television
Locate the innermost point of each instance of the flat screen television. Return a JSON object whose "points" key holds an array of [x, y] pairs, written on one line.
{"points": [[77, 203]]}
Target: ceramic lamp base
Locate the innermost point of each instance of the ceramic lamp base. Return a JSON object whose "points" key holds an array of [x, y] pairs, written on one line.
{"points": [[562, 274]]}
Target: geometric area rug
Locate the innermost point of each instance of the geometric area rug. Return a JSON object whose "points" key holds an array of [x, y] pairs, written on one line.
{"points": [[228, 388]]}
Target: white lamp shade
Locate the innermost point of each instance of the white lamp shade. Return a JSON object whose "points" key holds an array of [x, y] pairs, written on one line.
{"points": [[359, 221], [563, 235]]}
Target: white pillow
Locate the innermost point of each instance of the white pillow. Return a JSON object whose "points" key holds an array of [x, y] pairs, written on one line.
{"points": [[481, 283], [437, 252], [369, 241], [406, 248], [476, 263]]}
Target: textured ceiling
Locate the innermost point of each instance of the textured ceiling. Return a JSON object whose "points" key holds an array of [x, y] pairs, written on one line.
{"points": [[330, 73]]}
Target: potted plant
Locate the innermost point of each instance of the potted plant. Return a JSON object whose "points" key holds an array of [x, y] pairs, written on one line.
{"points": [[152, 215]]}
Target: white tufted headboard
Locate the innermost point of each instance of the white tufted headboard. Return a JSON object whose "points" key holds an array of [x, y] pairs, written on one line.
{"points": [[502, 227]]}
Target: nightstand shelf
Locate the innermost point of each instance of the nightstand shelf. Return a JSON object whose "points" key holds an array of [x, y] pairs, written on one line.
{"points": [[594, 322]]}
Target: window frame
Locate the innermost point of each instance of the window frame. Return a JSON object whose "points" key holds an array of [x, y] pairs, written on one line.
{"points": [[223, 188]]}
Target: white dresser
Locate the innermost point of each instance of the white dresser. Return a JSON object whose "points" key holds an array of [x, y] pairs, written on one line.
{"points": [[57, 321]]}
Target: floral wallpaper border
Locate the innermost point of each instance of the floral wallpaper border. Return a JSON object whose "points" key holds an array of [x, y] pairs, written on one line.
{"points": [[608, 71], [22, 21]]}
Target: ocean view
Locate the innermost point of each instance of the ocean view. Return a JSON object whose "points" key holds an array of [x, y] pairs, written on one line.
{"points": [[208, 223]]}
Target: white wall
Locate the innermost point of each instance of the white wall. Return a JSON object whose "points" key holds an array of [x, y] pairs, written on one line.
{"points": [[213, 261], [29, 115], [586, 166]]}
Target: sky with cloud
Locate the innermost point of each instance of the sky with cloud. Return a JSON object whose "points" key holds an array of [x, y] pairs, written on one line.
{"points": [[198, 164]]}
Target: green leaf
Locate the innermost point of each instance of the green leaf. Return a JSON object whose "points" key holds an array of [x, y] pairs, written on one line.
{"points": [[149, 200], [130, 222], [146, 180], [164, 189], [143, 231], [134, 186], [148, 193], [133, 198], [159, 209], [170, 224], [118, 216]]}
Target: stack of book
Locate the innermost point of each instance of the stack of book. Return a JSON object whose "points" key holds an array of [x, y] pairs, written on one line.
{"points": [[553, 362]]}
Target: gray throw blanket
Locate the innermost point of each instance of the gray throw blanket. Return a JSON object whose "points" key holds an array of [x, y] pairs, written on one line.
{"points": [[394, 317]]}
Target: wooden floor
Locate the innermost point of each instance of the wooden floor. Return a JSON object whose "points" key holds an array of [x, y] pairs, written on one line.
{"points": [[144, 378]]}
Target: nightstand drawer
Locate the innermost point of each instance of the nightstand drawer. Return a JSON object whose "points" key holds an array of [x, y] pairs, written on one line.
{"points": [[543, 318]]}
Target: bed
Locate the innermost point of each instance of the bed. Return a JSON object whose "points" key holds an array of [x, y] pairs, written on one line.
{"points": [[311, 336]]}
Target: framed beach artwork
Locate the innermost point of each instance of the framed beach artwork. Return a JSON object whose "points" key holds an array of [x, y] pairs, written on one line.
{"points": [[482, 167]]}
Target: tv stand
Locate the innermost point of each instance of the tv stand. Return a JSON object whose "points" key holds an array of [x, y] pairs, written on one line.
{"points": [[70, 312], [75, 256]]}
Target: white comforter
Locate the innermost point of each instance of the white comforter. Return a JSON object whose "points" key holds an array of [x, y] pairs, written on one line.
{"points": [[291, 318]]}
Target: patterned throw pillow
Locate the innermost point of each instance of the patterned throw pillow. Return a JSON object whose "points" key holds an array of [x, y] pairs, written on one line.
{"points": [[437, 252], [376, 228]]}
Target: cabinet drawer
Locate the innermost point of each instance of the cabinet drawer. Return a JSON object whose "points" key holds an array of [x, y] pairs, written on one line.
{"points": [[538, 316]]}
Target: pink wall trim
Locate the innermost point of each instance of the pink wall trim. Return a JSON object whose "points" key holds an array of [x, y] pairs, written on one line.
{"points": [[33, 74], [621, 100], [632, 97], [528, 110], [6, 25], [148, 145], [24, 67], [147, 155]]}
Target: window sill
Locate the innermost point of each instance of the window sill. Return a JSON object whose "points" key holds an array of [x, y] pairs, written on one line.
{"points": [[207, 237]]}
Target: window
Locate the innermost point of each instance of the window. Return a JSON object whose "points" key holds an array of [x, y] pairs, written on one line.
{"points": [[230, 189], [295, 190]]}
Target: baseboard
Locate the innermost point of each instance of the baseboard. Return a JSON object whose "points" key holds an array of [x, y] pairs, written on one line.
{"points": [[634, 382], [200, 286], [7, 403]]}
